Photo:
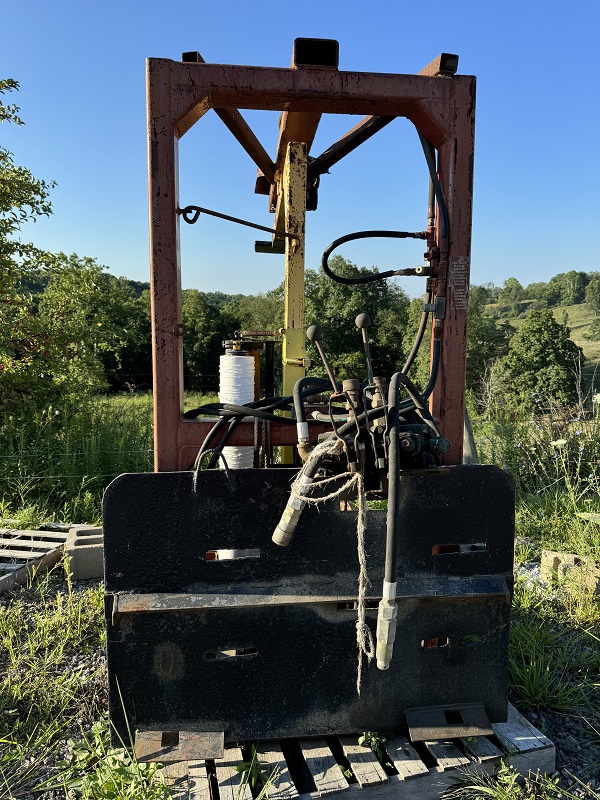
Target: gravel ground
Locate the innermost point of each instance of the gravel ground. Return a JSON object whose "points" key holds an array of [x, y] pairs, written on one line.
{"points": [[577, 747]]}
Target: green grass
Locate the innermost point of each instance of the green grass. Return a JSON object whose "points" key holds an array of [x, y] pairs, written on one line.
{"points": [[55, 465], [45, 691], [48, 694], [508, 785], [554, 657]]}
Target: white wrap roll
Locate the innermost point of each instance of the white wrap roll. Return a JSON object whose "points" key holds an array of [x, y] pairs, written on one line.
{"points": [[236, 385]]}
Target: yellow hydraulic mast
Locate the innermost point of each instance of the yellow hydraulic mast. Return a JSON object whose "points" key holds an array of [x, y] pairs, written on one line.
{"points": [[293, 189]]}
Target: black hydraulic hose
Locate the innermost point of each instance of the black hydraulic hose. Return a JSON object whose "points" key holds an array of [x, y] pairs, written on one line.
{"points": [[408, 405], [230, 409], [420, 333], [419, 403], [429, 151], [393, 508], [301, 423], [435, 367], [366, 235], [218, 449], [315, 383], [388, 608], [206, 443], [268, 402]]}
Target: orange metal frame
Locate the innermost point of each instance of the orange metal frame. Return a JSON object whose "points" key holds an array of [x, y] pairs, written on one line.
{"points": [[440, 104]]}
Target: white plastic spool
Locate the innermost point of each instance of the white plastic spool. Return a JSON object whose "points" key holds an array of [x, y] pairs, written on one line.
{"points": [[236, 385]]}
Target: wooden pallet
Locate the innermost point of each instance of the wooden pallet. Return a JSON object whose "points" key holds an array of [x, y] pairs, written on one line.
{"points": [[24, 554], [311, 768]]}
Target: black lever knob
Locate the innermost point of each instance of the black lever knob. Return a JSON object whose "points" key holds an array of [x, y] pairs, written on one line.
{"points": [[314, 333], [363, 321]]}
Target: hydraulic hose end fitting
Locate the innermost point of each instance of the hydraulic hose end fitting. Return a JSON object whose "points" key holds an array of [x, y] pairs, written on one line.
{"points": [[386, 626], [302, 429], [286, 527]]}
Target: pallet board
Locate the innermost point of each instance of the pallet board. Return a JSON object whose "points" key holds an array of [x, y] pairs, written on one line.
{"points": [[24, 554], [312, 768]]}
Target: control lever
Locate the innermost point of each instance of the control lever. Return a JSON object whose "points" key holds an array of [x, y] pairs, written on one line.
{"points": [[363, 321], [314, 335]]}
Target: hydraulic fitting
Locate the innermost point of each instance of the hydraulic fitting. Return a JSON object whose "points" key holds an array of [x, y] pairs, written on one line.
{"points": [[286, 526], [386, 626]]}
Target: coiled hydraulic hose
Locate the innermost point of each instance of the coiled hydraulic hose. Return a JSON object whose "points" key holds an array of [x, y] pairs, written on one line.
{"points": [[430, 158], [350, 237]]}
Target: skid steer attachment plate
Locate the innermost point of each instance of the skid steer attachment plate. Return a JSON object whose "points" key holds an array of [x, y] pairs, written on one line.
{"points": [[213, 627]]}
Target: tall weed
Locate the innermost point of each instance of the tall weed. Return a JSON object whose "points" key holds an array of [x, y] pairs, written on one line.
{"points": [[56, 464]]}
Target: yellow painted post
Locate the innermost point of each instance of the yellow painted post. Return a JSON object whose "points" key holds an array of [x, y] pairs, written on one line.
{"points": [[294, 200]]}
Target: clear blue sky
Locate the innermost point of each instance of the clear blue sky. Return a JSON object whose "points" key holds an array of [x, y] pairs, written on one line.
{"points": [[81, 67]]}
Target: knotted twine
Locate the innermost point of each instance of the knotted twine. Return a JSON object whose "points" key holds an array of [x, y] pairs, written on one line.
{"points": [[364, 637]]}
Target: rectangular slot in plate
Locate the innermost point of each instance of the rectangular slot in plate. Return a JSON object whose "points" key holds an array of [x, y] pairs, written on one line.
{"points": [[230, 653], [461, 549], [230, 555]]}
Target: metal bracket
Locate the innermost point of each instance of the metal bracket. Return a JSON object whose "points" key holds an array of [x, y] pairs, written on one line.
{"points": [[448, 722], [168, 745]]}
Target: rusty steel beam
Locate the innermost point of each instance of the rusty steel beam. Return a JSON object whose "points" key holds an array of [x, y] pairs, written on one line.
{"points": [[165, 273], [455, 169], [359, 134], [192, 433], [232, 118], [295, 127], [199, 87], [444, 64], [245, 136]]}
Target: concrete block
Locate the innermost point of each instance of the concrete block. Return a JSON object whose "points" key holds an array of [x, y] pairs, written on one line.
{"points": [[582, 570], [85, 547]]}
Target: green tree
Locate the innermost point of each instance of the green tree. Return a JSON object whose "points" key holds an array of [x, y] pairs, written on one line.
{"points": [[205, 328], [256, 312], [486, 341], [128, 365], [24, 347], [540, 363], [511, 296], [570, 287], [543, 294], [91, 318], [334, 307], [592, 293]]}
